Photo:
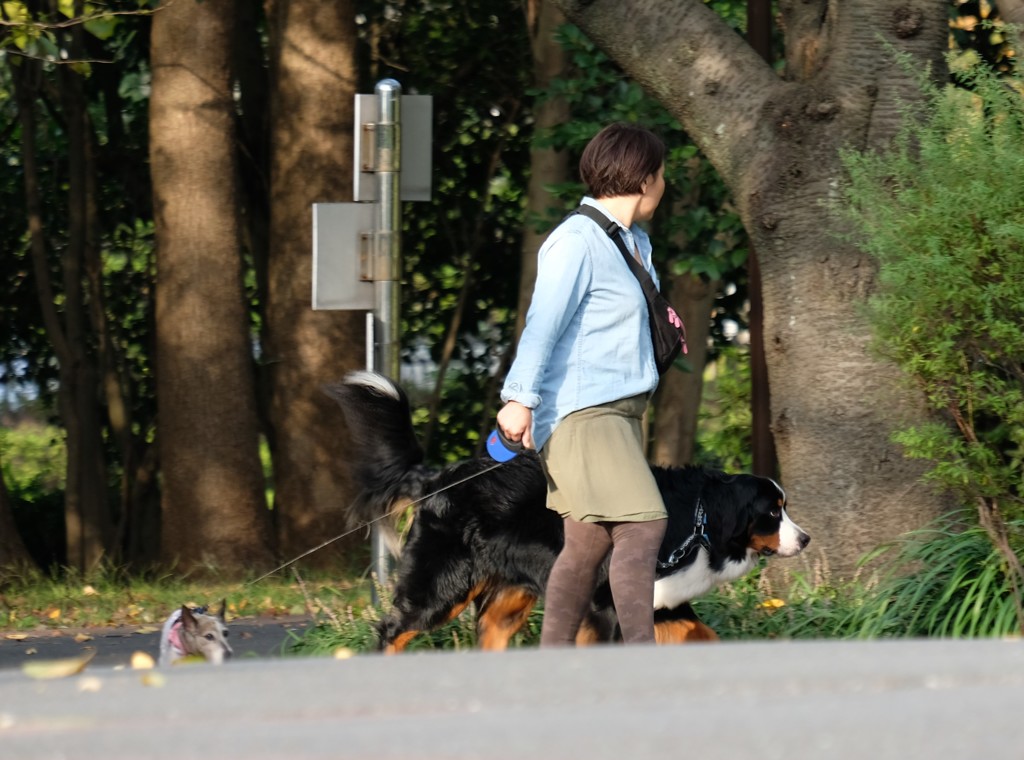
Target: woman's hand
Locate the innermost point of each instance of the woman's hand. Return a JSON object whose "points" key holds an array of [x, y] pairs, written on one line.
{"points": [[516, 423]]}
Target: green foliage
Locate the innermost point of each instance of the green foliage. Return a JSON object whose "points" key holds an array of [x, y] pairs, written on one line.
{"points": [[942, 581], [460, 249], [724, 428], [697, 229], [975, 27], [32, 465], [118, 298], [32, 458], [941, 212]]}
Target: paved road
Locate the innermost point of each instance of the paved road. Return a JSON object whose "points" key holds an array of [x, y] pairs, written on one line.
{"points": [[249, 638], [877, 700]]}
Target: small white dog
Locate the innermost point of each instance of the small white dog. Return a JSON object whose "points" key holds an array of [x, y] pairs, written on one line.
{"points": [[190, 632]]}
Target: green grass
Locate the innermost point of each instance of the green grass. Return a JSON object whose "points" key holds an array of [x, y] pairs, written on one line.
{"points": [[32, 600], [944, 581]]}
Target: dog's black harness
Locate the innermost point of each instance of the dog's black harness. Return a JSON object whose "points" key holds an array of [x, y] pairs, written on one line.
{"points": [[697, 539]]}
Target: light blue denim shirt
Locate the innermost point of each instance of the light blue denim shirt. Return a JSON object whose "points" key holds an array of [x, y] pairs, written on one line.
{"points": [[587, 340]]}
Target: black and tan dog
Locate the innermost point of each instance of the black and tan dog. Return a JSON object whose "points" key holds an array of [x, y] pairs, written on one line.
{"points": [[487, 538]]}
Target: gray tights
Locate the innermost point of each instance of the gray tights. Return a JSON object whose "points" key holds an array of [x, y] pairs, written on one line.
{"points": [[634, 547]]}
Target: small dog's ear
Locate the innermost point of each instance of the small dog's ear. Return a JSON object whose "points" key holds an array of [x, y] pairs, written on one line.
{"points": [[188, 620], [223, 609]]}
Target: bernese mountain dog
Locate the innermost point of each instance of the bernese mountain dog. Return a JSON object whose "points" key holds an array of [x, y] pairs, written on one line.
{"points": [[482, 534]]}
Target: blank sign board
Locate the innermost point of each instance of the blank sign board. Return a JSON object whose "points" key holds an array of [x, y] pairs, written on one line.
{"points": [[417, 134], [336, 264]]}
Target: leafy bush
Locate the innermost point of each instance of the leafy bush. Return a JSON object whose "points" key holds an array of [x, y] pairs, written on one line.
{"points": [[941, 212], [32, 465], [723, 435], [944, 581]]}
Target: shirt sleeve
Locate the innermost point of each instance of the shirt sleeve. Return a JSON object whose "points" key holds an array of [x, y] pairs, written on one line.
{"points": [[564, 271]]}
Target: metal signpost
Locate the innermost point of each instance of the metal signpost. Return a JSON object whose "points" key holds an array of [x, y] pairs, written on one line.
{"points": [[357, 253]]}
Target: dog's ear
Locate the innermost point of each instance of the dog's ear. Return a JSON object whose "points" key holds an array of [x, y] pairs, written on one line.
{"points": [[223, 609], [730, 502], [188, 620]]}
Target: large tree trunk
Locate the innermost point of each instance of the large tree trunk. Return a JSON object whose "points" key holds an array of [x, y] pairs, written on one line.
{"points": [[776, 143], [313, 81], [547, 166], [214, 509]]}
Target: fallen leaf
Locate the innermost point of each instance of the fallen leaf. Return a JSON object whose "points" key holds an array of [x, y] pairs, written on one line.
{"points": [[31, 650], [772, 604], [343, 653], [90, 683], [82, 638], [16, 636], [53, 614], [142, 661], [90, 591], [153, 678], [44, 669], [147, 629]]}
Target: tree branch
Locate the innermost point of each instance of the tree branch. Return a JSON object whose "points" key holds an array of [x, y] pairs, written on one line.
{"points": [[684, 55]]}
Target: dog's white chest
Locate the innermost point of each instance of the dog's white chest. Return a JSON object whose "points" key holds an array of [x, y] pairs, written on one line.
{"points": [[697, 579]]}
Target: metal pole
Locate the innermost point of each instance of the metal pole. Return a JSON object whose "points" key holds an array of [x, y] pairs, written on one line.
{"points": [[389, 219], [388, 258]]}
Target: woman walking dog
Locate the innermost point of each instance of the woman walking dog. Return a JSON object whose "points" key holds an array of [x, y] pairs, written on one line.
{"points": [[578, 388]]}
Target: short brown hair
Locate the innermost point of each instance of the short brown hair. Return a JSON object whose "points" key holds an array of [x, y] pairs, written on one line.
{"points": [[619, 158]]}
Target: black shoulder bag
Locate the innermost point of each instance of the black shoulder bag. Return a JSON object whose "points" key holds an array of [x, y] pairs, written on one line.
{"points": [[667, 332]]}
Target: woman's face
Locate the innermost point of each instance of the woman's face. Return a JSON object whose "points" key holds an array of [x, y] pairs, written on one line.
{"points": [[653, 189]]}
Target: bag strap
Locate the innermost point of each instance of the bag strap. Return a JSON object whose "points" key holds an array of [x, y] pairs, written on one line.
{"points": [[612, 229]]}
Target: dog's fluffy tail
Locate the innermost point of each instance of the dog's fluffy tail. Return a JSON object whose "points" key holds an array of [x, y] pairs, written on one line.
{"points": [[385, 455]]}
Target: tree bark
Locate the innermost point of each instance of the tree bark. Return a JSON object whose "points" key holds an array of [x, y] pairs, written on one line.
{"points": [[776, 142], [214, 510], [674, 432], [547, 166], [764, 460], [87, 518], [313, 83]]}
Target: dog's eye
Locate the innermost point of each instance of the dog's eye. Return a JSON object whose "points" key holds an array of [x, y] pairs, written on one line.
{"points": [[775, 513], [209, 637]]}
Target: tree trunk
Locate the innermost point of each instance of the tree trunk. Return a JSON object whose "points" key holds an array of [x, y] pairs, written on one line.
{"points": [[679, 393], [776, 143], [313, 83], [214, 509], [764, 460], [547, 165], [87, 519]]}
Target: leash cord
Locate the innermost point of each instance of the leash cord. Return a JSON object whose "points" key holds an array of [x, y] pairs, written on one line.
{"points": [[371, 522]]}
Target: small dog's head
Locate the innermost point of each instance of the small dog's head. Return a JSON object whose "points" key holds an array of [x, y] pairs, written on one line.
{"points": [[205, 635]]}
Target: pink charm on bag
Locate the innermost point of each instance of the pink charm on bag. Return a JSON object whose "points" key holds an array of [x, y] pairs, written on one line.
{"points": [[676, 322]]}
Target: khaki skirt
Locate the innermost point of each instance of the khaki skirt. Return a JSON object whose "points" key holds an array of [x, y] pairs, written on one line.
{"points": [[595, 466]]}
